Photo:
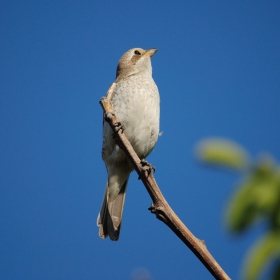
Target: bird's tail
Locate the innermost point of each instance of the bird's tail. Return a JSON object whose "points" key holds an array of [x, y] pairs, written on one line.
{"points": [[110, 217]]}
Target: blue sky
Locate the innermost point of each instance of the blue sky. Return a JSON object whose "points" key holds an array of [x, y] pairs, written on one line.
{"points": [[218, 73]]}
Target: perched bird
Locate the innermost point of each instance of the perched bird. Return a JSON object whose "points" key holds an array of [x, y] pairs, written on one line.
{"points": [[135, 99]]}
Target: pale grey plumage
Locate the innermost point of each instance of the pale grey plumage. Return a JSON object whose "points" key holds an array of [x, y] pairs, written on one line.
{"points": [[135, 99]]}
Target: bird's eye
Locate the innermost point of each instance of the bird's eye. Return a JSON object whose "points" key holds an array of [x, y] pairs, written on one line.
{"points": [[137, 52]]}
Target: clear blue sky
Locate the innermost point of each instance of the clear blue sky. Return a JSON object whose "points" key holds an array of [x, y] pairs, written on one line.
{"points": [[218, 73]]}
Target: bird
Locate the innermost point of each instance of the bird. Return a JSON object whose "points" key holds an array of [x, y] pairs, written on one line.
{"points": [[136, 102]]}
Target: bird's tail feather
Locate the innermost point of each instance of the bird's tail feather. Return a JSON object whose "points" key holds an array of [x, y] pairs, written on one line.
{"points": [[110, 217]]}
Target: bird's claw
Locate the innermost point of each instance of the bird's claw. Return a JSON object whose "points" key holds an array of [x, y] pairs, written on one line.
{"points": [[119, 127], [147, 167]]}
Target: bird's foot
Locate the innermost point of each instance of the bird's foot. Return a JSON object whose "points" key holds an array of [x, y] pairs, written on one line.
{"points": [[119, 127], [147, 167]]}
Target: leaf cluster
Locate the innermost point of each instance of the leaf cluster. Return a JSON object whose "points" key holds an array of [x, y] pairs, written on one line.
{"points": [[257, 198]]}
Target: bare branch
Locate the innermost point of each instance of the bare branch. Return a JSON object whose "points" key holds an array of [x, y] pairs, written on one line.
{"points": [[160, 207]]}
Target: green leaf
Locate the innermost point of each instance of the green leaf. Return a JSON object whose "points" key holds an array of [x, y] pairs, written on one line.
{"points": [[222, 152], [242, 210], [264, 251], [258, 196]]}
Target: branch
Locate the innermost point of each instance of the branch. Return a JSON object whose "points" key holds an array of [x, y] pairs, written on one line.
{"points": [[160, 207]]}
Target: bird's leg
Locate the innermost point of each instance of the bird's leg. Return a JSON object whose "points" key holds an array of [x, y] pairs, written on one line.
{"points": [[109, 117], [119, 127]]}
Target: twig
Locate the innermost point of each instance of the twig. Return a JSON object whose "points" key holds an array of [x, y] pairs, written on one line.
{"points": [[160, 207]]}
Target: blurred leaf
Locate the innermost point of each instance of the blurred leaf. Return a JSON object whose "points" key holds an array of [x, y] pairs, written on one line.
{"points": [[276, 273], [265, 250], [242, 210], [265, 192], [222, 152], [256, 197], [265, 165], [276, 214], [276, 219]]}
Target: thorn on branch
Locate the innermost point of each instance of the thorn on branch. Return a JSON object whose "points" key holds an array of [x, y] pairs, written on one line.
{"points": [[152, 208], [158, 211], [202, 242]]}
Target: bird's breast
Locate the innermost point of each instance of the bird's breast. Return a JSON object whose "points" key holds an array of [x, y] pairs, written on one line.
{"points": [[136, 104]]}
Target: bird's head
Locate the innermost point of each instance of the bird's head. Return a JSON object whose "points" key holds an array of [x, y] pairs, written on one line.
{"points": [[135, 61]]}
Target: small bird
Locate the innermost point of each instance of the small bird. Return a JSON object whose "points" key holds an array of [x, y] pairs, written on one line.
{"points": [[135, 99]]}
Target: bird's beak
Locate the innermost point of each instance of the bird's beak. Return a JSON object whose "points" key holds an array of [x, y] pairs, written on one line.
{"points": [[150, 52]]}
